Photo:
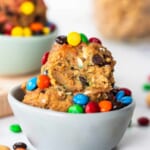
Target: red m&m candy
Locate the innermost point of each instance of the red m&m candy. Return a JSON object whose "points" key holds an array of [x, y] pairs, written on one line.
{"points": [[44, 58], [94, 40], [92, 107], [126, 91]]}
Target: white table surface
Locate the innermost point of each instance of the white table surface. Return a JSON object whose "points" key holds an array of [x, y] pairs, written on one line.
{"points": [[132, 69]]}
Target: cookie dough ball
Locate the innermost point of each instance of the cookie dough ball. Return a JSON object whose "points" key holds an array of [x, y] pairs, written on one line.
{"points": [[123, 19], [72, 66]]}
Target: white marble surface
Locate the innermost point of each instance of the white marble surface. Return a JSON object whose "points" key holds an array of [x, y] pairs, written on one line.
{"points": [[133, 66]]}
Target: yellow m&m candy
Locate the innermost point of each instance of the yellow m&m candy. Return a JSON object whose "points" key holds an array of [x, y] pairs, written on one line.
{"points": [[46, 30], [17, 31], [27, 32], [27, 8], [73, 38]]}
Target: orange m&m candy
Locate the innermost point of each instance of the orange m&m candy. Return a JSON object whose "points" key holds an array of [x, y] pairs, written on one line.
{"points": [[36, 26], [105, 105], [43, 81]]}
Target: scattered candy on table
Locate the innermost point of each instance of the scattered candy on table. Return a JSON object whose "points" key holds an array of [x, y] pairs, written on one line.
{"points": [[19, 146], [148, 99], [143, 121], [15, 128]]}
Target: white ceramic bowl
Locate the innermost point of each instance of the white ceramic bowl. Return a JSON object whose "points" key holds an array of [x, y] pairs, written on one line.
{"points": [[22, 55], [48, 129]]}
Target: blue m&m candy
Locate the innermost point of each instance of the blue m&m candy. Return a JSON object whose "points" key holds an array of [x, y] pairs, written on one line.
{"points": [[126, 100], [81, 99], [120, 94], [31, 84]]}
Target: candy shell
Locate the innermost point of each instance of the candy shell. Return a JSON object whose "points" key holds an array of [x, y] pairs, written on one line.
{"points": [[126, 100], [73, 38], [20, 146], [146, 86], [148, 99], [17, 31], [31, 84], [127, 91], [15, 128], [143, 121], [46, 30], [27, 8], [95, 40], [75, 109], [84, 38], [92, 107], [36, 26], [44, 58], [80, 99], [62, 39], [7, 28], [27, 32], [120, 94], [43, 81], [105, 105]]}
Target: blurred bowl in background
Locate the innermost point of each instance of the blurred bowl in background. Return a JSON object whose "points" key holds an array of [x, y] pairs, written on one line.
{"points": [[20, 55]]}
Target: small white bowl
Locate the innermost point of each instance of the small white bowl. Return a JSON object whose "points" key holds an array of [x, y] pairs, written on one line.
{"points": [[22, 55], [53, 130]]}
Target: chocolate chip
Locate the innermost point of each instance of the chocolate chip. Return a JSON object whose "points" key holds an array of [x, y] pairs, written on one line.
{"points": [[43, 91], [61, 39], [37, 18], [83, 81], [19, 145], [97, 60], [117, 105]]}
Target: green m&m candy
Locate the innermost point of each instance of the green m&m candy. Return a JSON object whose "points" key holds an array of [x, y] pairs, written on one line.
{"points": [[75, 109], [15, 128], [84, 38], [146, 86]]}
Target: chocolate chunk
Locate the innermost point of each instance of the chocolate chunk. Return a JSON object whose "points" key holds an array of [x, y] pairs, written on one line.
{"points": [[19, 145], [37, 18], [98, 60], [61, 39], [83, 81], [117, 105], [43, 91]]}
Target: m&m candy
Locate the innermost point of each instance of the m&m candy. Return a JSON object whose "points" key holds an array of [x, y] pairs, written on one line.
{"points": [[43, 81], [75, 109], [143, 121], [73, 38], [94, 40], [44, 58], [91, 107], [17, 31], [80, 99], [20, 146], [84, 38], [15, 128], [105, 105], [27, 8], [31, 84]]}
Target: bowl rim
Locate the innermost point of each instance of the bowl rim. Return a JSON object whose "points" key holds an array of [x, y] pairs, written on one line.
{"points": [[22, 105], [7, 37]]}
